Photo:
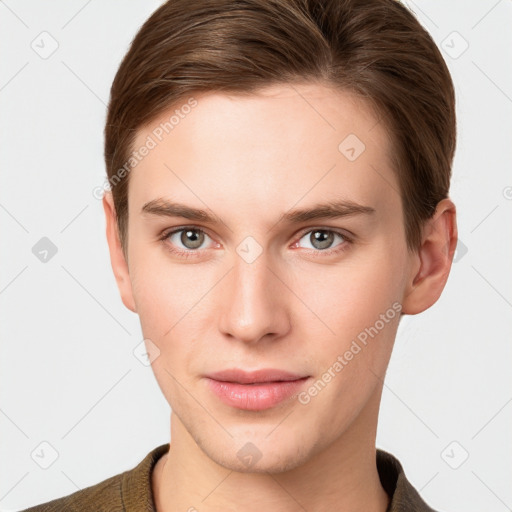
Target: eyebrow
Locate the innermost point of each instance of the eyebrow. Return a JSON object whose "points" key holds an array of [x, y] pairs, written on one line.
{"points": [[328, 210]]}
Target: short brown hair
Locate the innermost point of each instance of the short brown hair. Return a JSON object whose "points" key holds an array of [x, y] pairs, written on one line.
{"points": [[374, 48]]}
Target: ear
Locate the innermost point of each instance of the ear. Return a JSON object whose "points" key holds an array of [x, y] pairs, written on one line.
{"points": [[431, 265], [117, 257]]}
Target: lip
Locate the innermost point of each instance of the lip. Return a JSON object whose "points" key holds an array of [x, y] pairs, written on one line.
{"points": [[254, 391]]}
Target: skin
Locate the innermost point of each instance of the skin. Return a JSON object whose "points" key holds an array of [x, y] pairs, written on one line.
{"points": [[248, 160]]}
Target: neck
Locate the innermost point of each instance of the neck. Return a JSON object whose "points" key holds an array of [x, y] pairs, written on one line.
{"points": [[342, 477]]}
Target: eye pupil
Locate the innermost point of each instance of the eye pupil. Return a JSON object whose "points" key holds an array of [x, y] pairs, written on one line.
{"points": [[324, 238], [192, 238]]}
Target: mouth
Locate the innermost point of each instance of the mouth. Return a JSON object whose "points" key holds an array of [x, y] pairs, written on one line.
{"points": [[257, 390]]}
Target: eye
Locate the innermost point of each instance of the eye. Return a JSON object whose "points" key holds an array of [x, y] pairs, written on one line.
{"points": [[185, 240], [322, 240]]}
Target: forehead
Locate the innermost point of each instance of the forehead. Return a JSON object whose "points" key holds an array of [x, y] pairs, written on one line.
{"points": [[269, 150]]}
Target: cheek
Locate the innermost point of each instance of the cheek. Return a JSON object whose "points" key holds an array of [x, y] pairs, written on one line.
{"points": [[164, 302], [352, 294], [161, 290], [172, 303], [357, 309]]}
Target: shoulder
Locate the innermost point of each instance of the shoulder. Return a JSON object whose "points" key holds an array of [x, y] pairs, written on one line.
{"points": [[103, 496], [403, 495], [124, 492]]}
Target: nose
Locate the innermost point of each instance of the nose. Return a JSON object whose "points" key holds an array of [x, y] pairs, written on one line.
{"points": [[255, 302]]}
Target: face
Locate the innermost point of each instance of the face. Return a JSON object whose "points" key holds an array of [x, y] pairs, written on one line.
{"points": [[258, 283]]}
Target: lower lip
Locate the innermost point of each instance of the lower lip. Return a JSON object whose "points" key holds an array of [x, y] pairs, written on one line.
{"points": [[255, 397]]}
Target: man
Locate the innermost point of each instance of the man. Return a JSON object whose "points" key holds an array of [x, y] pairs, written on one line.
{"points": [[279, 175]]}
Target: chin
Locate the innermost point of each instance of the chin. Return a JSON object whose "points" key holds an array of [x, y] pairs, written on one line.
{"points": [[257, 454]]}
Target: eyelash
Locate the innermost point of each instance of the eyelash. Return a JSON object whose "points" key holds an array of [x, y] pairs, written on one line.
{"points": [[316, 253]]}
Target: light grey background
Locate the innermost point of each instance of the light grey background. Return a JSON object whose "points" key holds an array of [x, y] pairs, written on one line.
{"points": [[68, 373]]}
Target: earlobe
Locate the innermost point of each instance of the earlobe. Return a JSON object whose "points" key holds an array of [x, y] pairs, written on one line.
{"points": [[117, 257], [432, 263]]}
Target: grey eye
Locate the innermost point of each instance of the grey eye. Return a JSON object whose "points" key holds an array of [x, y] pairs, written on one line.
{"points": [[321, 239], [188, 237]]}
